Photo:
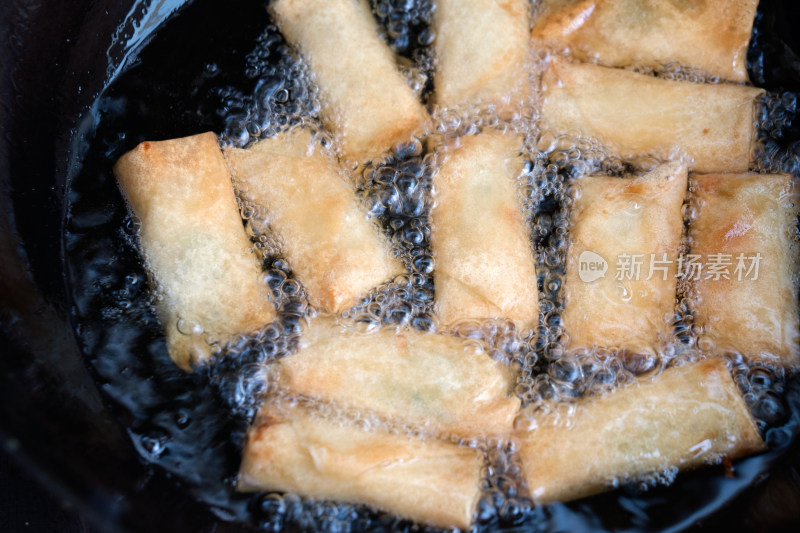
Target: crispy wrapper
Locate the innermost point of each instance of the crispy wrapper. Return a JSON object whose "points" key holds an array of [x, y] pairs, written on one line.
{"points": [[711, 36], [638, 217], [194, 244], [484, 264], [686, 417], [336, 252], [437, 383], [635, 114], [365, 99], [294, 449], [747, 305], [488, 70]]}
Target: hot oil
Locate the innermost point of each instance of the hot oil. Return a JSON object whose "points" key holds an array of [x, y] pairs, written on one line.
{"points": [[193, 425]]}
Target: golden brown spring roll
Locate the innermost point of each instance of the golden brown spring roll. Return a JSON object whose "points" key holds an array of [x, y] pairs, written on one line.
{"points": [[294, 449], [635, 114], [746, 303], [436, 383], [710, 36], [336, 252], [489, 69], [686, 417], [482, 251], [365, 99], [624, 222], [194, 244]]}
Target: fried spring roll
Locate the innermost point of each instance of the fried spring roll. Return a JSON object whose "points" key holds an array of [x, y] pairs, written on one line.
{"points": [[436, 383], [686, 417], [481, 247], [365, 99], [194, 244], [635, 114], [746, 296], [336, 252], [619, 223], [294, 449], [486, 70], [710, 36]]}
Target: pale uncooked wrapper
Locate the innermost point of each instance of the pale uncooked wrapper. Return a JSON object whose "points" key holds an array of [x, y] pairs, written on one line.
{"points": [[486, 70], [683, 418], [484, 264], [632, 226], [439, 384]]}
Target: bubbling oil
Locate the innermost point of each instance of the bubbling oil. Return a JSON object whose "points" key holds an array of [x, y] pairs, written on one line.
{"points": [[176, 419]]}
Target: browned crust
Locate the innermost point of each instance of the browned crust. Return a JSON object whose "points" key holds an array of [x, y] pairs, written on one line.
{"points": [[293, 449], [635, 114], [337, 253], [711, 36], [748, 214], [194, 244]]}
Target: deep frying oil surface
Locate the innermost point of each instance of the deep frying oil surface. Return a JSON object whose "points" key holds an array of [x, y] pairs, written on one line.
{"points": [[230, 71]]}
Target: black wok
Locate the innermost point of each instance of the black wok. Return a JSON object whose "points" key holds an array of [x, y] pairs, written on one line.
{"points": [[56, 419]]}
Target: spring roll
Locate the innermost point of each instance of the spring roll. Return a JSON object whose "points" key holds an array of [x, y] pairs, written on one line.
{"points": [[617, 223], [336, 252], [686, 417], [295, 449], [194, 244], [365, 100], [436, 383], [486, 70], [635, 114], [482, 251], [745, 297], [709, 36]]}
